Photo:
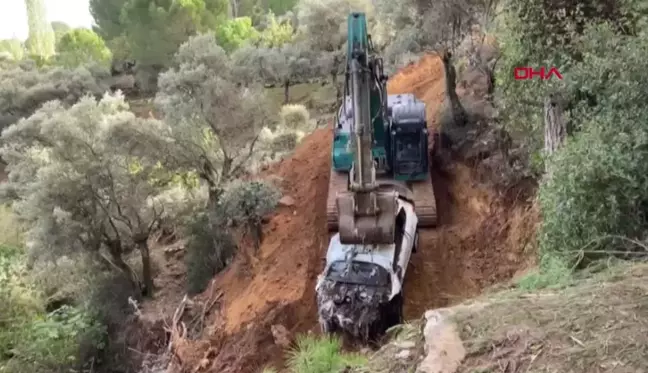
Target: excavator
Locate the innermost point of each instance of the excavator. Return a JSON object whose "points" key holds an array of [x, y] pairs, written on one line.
{"points": [[380, 194]]}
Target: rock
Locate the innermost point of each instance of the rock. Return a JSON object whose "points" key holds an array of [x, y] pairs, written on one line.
{"points": [[281, 335], [124, 82], [444, 350], [403, 354], [287, 201], [406, 344]]}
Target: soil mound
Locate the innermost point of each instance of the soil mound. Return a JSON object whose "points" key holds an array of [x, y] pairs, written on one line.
{"points": [[479, 241], [277, 286]]}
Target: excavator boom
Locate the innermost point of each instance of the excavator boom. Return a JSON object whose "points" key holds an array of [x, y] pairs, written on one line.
{"points": [[365, 214]]}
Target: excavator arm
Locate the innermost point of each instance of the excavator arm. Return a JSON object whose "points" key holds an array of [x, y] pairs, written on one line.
{"points": [[366, 214]]}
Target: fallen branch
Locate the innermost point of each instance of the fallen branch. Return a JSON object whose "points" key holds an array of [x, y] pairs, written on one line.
{"points": [[177, 329]]}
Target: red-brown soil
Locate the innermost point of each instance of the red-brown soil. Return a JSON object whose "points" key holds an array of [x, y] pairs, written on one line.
{"points": [[479, 242]]}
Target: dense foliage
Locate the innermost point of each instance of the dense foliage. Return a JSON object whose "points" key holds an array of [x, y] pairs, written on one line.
{"points": [[82, 47]]}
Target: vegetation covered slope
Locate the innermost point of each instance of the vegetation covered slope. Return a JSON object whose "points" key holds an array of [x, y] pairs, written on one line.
{"points": [[596, 324]]}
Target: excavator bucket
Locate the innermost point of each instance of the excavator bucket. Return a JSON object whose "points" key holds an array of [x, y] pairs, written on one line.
{"points": [[367, 227], [420, 193]]}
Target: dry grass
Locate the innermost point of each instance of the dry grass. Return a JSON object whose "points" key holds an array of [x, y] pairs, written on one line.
{"points": [[599, 325]]}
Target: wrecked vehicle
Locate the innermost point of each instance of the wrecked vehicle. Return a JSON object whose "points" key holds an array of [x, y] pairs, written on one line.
{"points": [[360, 291]]}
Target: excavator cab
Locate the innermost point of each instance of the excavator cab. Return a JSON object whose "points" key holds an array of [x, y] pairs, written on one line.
{"points": [[409, 139]]}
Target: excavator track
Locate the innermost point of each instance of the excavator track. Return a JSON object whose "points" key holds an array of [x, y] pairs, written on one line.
{"points": [[422, 194], [337, 183], [425, 202]]}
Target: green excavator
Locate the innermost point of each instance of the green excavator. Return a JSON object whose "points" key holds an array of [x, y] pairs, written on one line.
{"points": [[380, 141], [380, 194]]}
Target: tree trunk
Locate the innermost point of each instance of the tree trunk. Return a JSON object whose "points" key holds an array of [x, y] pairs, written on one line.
{"points": [[234, 5], [257, 233], [115, 251], [555, 126], [147, 275], [286, 91], [555, 131], [457, 110]]}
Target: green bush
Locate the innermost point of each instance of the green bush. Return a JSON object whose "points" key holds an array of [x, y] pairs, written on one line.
{"points": [[32, 340], [11, 230], [595, 202], [82, 46], [246, 203], [209, 251], [321, 355]]}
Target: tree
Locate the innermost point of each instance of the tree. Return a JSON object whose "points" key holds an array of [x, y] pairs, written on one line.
{"points": [[13, 48], [593, 196], [323, 26], [323, 23], [276, 34], [292, 63], [233, 33], [155, 31], [248, 65], [82, 46], [281, 7], [106, 14], [23, 90], [550, 34], [41, 36], [60, 29], [75, 188], [213, 123]]}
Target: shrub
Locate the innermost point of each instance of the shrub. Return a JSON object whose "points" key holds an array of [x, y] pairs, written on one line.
{"points": [[11, 230], [209, 250], [81, 46], [296, 118], [594, 201], [321, 355], [25, 89], [32, 340], [246, 203], [598, 192]]}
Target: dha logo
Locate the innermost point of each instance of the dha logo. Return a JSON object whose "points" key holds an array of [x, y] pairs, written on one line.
{"points": [[528, 73]]}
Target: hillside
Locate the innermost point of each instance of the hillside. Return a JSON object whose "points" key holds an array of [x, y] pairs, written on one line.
{"points": [[594, 325], [479, 242], [164, 178]]}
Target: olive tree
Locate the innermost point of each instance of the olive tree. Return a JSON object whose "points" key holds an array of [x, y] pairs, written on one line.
{"points": [[286, 65], [213, 123], [24, 89], [323, 25], [78, 191]]}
